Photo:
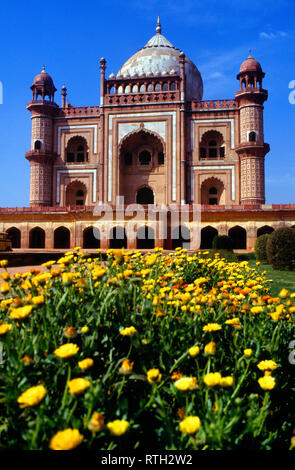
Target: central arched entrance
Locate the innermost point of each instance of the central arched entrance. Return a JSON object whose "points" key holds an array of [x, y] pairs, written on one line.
{"points": [[212, 192], [142, 166], [76, 193]]}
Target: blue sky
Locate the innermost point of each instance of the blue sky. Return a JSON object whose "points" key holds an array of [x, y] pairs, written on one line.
{"points": [[69, 37]]}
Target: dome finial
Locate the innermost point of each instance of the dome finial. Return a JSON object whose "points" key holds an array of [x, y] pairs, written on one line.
{"points": [[250, 55], [158, 27], [43, 69]]}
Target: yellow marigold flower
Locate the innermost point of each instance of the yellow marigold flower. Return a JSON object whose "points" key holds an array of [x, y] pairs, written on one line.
{"points": [[190, 425], [194, 351], [267, 365], [117, 253], [248, 352], [267, 382], [5, 287], [67, 278], [3, 263], [118, 427], [5, 276], [97, 273], [130, 330], [212, 379], [84, 329], [78, 385], [258, 263], [38, 299], [21, 312], [210, 348], [176, 375], [85, 363], [154, 376], [226, 381], [4, 328], [126, 367], [257, 309], [32, 396], [96, 423], [284, 293], [150, 259], [186, 383], [66, 350], [27, 359], [70, 332], [67, 439], [233, 321], [212, 327]]}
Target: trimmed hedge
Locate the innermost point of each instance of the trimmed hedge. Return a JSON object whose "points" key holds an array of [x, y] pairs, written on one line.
{"points": [[260, 248], [222, 242], [280, 248]]}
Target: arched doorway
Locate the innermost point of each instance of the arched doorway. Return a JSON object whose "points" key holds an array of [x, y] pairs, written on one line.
{"points": [[145, 239], [145, 196], [62, 237], [266, 229], [91, 238], [118, 237], [207, 235], [142, 154], [212, 146], [76, 193], [181, 237], [15, 237], [37, 238], [239, 236], [212, 192]]}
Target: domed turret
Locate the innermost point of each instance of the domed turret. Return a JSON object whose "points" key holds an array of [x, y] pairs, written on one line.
{"points": [[43, 86], [160, 57], [251, 73]]}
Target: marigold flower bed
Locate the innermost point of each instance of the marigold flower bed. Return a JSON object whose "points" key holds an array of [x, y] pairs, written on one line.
{"points": [[157, 351]]}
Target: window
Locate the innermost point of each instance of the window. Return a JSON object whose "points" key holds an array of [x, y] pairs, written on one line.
{"points": [[37, 145], [142, 88], [252, 136], [161, 158], [150, 87], [80, 197], [70, 157], [165, 87], [145, 157], [157, 87], [213, 201], [172, 86], [135, 89], [212, 149], [213, 190]]}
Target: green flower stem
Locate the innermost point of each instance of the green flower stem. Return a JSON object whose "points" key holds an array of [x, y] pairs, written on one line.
{"points": [[237, 389]]}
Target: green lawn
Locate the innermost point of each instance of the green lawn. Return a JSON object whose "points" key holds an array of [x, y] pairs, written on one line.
{"points": [[280, 278]]}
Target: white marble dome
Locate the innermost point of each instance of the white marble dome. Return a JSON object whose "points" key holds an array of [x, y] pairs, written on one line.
{"points": [[159, 57]]}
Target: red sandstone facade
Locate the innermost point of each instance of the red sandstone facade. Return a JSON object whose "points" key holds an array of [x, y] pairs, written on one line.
{"points": [[153, 140]]}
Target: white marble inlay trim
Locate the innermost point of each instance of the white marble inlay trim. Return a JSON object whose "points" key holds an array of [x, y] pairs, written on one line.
{"points": [[215, 167], [70, 172], [110, 150], [81, 126], [232, 129]]}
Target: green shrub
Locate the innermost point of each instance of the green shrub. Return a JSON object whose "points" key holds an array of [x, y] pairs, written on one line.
{"points": [[260, 248], [280, 248], [222, 242]]}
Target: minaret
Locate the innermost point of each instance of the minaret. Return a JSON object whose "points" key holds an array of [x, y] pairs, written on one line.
{"points": [[252, 148], [41, 156]]}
